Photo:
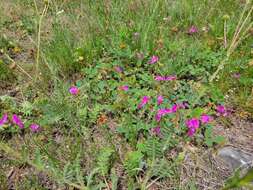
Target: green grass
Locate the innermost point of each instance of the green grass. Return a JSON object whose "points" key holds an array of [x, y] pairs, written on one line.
{"points": [[99, 139]]}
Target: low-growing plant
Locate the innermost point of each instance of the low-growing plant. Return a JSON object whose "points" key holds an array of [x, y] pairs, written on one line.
{"points": [[117, 97]]}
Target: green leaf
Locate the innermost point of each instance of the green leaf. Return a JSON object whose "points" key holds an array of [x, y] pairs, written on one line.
{"points": [[79, 84], [197, 112], [209, 142], [115, 180], [209, 132], [38, 160], [104, 160], [219, 139], [132, 162], [210, 139], [247, 179]]}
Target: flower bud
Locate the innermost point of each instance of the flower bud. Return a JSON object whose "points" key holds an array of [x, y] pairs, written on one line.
{"points": [[226, 17]]}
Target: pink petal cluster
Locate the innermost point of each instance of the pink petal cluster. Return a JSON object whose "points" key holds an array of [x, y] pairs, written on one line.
{"points": [[118, 69], [191, 132], [221, 110], [4, 119], [205, 118], [73, 90], [165, 78], [17, 121], [192, 30], [183, 105], [144, 101], [164, 111], [35, 128], [159, 100], [153, 59], [174, 108], [124, 88], [156, 131], [192, 125]]}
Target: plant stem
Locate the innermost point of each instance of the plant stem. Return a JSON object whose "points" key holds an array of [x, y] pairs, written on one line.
{"points": [[235, 40], [225, 34], [22, 70], [38, 41]]}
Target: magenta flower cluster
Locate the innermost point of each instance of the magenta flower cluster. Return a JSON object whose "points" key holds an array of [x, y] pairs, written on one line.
{"points": [[4, 119], [118, 69], [154, 59], [73, 90], [222, 110], [124, 88], [156, 131], [144, 101], [192, 30], [16, 120], [194, 123], [160, 112], [159, 100]]}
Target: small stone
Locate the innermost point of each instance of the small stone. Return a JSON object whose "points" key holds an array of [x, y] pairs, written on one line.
{"points": [[235, 158]]}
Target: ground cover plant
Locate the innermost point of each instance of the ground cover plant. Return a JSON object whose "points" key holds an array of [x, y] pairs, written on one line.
{"points": [[123, 94]]}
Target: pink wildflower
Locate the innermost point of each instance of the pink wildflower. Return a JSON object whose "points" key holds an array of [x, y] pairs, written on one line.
{"points": [[174, 108], [159, 78], [192, 30], [124, 88], [4, 119], [186, 105], [183, 105], [161, 112], [156, 131], [74, 90], [191, 132], [153, 59], [34, 128], [205, 118], [119, 69], [169, 78], [159, 100], [144, 101], [193, 123], [221, 110], [17, 121]]}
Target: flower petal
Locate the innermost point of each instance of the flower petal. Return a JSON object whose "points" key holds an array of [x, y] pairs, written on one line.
{"points": [[35, 128], [73, 90], [4, 119], [17, 121]]}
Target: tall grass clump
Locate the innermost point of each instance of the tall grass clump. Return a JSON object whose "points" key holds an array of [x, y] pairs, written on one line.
{"points": [[59, 53]]}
